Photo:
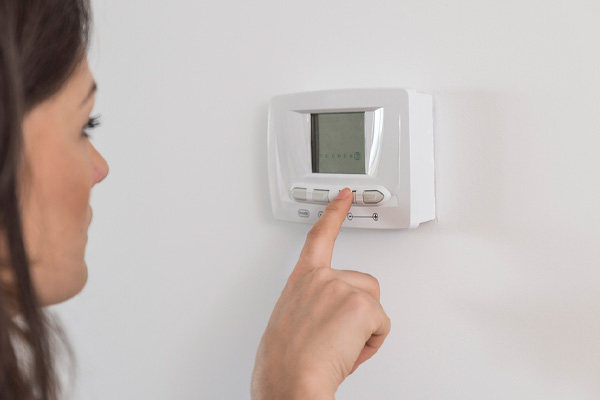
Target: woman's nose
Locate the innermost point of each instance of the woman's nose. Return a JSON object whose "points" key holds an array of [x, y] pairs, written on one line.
{"points": [[100, 166]]}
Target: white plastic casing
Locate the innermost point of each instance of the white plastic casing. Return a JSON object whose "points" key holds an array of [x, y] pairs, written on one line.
{"points": [[398, 157]]}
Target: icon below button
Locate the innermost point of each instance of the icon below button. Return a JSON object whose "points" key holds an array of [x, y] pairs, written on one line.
{"points": [[303, 213]]}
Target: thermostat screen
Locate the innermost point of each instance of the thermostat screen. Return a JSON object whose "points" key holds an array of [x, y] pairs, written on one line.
{"points": [[338, 143]]}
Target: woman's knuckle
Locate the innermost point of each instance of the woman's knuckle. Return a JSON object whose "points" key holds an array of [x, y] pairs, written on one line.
{"points": [[336, 288], [333, 207], [322, 275], [337, 285], [375, 284], [374, 281], [359, 301]]}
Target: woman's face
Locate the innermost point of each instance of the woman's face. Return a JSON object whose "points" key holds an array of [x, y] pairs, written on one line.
{"points": [[60, 167]]}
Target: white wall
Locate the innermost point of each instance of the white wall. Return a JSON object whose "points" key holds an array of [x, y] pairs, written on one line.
{"points": [[498, 299]]}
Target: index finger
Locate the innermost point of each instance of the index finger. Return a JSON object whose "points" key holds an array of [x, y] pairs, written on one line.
{"points": [[318, 248]]}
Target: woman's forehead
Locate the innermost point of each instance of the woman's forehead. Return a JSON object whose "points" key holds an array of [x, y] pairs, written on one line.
{"points": [[80, 87]]}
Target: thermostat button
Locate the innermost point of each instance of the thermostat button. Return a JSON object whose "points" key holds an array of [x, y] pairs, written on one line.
{"points": [[299, 194], [320, 196], [372, 196]]}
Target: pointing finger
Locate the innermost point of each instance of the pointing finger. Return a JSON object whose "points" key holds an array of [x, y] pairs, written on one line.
{"points": [[318, 249]]}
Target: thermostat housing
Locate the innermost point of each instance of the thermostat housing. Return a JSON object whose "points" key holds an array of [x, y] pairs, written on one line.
{"points": [[378, 142]]}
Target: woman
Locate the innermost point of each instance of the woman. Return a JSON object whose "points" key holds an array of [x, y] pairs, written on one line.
{"points": [[325, 323]]}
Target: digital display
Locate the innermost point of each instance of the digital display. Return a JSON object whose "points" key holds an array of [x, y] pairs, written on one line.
{"points": [[338, 143]]}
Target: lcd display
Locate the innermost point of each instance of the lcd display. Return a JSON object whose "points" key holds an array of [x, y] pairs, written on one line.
{"points": [[338, 143]]}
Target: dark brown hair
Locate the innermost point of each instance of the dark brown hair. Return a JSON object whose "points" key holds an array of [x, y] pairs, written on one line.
{"points": [[41, 43]]}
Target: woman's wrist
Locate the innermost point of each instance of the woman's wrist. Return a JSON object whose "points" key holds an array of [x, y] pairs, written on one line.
{"points": [[309, 387], [269, 392], [273, 383]]}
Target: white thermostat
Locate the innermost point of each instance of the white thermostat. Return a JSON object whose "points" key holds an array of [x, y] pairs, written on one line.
{"points": [[378, 142]]}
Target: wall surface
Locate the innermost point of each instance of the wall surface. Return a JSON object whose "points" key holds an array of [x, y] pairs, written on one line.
{"points": [[497, 299]]}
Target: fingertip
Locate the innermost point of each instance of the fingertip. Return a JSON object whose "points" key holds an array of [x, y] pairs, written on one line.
{"points": [[344, 194]]}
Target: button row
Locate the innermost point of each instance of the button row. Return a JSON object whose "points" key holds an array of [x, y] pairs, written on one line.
{"points": [[322, 196]]}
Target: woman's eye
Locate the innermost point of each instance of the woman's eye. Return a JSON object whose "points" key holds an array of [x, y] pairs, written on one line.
{"points": [[93, 122]]}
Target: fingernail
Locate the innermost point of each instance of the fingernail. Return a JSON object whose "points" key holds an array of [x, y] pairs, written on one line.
{"points": [[344, 194]]}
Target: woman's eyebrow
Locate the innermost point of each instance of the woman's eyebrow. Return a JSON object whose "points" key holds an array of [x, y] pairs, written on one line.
{"points": [[91, 92]]}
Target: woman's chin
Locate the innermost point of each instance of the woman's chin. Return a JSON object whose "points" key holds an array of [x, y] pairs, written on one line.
{"points": [[56, 286]]}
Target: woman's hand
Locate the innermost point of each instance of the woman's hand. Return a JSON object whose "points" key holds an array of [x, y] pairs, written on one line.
{"points": [[325, 324]]}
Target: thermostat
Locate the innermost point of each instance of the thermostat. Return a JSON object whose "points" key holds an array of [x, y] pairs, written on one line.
{"points": [[378, 142]]}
